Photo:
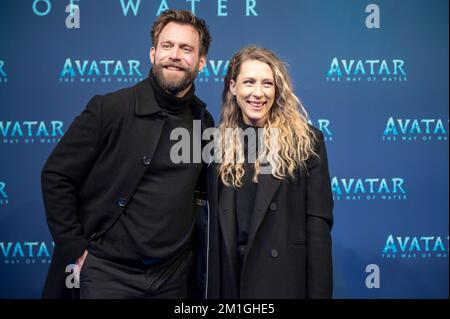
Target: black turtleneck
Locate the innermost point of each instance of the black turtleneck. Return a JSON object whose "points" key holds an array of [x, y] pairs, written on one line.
{"points": [[245, 195], [170, 102], [159, 219]]}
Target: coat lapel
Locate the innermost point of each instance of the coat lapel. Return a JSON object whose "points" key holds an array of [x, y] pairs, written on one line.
{"points": [[267, 187], [141, 140], [141, 143]]}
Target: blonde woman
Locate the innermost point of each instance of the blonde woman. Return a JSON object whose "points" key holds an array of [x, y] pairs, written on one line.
{"points": [[271, 217]]}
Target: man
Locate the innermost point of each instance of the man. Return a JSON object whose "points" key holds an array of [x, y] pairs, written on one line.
{"points": [[115, 201]]}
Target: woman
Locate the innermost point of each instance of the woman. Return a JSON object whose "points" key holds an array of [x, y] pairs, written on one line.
{"points": [[271, 218]]}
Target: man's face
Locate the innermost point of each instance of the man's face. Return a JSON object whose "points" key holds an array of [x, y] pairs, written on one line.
{"points": [[176, 59]]}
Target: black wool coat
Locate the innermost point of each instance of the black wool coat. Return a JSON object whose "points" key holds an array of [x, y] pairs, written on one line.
{"points": [[93, 172], [289, 251]]}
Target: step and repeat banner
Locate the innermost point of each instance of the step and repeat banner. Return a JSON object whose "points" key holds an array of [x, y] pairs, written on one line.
{"points": [[372, 75]]}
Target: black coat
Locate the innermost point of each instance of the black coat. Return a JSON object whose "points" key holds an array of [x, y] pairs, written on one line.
{"points": [[93, 172], [288, 252]]}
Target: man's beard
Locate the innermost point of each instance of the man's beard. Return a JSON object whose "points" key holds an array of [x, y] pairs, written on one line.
{"points": [[174, 86]]}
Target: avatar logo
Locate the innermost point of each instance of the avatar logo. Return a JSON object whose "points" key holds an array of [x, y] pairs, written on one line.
{"points": [[370, 70], [397, 129], [3, 196], [3, 76], [29, 252], [88, 71], [378, 188], [29, 132], [213, 71], [415, 247]]}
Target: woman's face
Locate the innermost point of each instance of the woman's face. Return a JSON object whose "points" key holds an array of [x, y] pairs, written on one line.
{"points": [[254, 89]]}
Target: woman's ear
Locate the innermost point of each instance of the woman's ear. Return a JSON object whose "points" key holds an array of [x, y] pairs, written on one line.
{"points": [[233, 87]]}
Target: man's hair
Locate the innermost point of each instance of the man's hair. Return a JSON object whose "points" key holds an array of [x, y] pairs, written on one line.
{"points": [[182, 17]]}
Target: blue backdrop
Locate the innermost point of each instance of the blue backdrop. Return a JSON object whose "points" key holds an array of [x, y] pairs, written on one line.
{"points": [[374, 79]]}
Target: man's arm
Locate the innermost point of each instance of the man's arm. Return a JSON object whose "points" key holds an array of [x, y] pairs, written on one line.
{"points": [[64, 172]]}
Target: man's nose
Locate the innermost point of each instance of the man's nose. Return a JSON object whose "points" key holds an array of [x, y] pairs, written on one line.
{"points": [[175, 53]]}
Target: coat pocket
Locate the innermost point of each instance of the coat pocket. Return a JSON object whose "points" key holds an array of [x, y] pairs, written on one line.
{"points": [[296, 233]]}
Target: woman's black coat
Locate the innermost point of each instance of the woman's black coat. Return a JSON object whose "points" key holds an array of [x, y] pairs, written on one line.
{"points": [[289, 243]]}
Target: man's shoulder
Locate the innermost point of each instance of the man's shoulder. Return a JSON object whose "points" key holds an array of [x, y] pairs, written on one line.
{"points": [[117, 102], [208, 118], [119, 96]]}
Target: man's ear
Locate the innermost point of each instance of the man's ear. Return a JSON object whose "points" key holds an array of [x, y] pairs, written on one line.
{"points": [[201, 62], [152, 55]]}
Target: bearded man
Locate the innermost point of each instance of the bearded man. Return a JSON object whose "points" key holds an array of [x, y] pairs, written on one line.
{"points": [[118, 208]]}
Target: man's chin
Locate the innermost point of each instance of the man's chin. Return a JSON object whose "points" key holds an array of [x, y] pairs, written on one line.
{"points": [[172, 84], [173, 81], [173, 87]]}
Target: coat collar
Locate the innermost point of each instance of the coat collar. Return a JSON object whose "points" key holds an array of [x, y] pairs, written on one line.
{"points": [[146, 103]]}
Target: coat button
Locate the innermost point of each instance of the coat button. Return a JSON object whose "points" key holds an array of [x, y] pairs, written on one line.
{"points": [[273, 206], [122, 202], [146, 160], [274, 253], [241, 250]]}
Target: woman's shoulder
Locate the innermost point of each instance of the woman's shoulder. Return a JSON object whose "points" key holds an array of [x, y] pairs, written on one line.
{"points": [[315, 131]]}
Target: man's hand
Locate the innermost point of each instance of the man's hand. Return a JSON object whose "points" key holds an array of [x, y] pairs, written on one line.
{"points": [[80, 260], [78, 265]]}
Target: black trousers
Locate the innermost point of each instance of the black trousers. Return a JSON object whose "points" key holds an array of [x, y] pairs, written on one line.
{"points": [[105, 279]]}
